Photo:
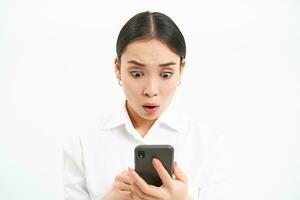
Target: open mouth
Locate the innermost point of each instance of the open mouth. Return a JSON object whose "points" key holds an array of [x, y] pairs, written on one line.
{"points": [[150, 109]]}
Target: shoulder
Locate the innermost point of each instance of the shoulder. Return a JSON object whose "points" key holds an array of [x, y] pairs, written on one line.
{"points": [[72, 149], [75, 139]]}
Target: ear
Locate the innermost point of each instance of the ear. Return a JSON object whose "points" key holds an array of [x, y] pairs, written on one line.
{"points": [[181, 68], [117, 68]]}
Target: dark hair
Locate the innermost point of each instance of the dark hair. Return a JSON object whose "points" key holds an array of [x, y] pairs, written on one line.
{"points": [[147, 25]]}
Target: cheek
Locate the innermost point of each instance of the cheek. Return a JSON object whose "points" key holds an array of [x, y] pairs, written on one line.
{"points": [[169, 89], [131, 89]]}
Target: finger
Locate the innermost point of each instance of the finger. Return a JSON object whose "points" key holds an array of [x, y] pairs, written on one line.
{"points": [[140, 194], [123, 186], [179, 174], [162, 172], [136, 197], [126, 195], [137, 191], [138, 181], [124, 177]]}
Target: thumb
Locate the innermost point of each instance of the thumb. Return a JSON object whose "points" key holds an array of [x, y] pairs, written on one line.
{"points": [[179, 174]]}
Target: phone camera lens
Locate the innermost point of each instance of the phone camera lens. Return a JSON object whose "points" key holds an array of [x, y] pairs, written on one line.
{"points": [[141, 154]]}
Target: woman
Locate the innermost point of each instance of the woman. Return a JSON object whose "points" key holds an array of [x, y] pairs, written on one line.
{"points": [[149, 66]]}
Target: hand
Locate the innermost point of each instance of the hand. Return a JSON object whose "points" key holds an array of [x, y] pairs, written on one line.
{"points": [[121, 189], [172, 189]]}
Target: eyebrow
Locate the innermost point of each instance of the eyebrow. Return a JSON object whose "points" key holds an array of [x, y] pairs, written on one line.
{"points": [[142, 65]]}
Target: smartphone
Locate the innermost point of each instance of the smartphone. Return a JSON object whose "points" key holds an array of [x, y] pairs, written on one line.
{"points": [[143, 156]]}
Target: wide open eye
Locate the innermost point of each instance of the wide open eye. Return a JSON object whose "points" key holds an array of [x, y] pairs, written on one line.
{"points": [[166, 75], [136, 74]]}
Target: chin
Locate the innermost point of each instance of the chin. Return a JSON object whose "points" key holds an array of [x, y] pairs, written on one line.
{"points": [[149, 117], [152, 117]]}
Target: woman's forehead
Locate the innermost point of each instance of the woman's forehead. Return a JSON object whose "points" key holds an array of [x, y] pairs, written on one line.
{"points": [[152, 50]]}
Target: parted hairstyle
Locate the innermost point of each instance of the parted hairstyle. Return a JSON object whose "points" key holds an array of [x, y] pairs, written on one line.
{"points": [[147, 25]]}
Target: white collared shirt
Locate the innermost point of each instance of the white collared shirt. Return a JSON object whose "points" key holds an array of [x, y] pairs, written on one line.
{"points": [[92, 161]]}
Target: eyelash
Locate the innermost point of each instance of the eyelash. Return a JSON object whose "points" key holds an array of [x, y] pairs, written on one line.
{"points": [[169, 73], [133, 73], [136, 72]]}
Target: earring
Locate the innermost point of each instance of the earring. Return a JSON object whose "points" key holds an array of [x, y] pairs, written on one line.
{"points": [[179, 82], [120, 82]]}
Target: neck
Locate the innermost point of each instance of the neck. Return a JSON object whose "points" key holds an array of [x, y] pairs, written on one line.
{"points": [[140, 124]]}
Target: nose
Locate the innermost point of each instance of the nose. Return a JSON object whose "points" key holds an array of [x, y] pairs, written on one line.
{"points": [[151, 89]]}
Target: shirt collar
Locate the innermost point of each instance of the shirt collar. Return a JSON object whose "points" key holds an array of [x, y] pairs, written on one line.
{"points": [[173, 119], [169, 118], [115, 119]]}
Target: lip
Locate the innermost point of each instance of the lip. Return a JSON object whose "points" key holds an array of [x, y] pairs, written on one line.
{"points": [[151, 104], [150, 108]]}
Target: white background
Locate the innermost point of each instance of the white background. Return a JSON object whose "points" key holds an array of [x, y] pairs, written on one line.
{"points": [[242, 78]]}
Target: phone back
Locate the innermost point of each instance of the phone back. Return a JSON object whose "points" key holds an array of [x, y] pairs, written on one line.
{"points": [[143, 156]]}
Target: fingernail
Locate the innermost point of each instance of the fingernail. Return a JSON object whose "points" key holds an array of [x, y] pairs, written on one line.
{"points": [[155, 161], [130, 174]]}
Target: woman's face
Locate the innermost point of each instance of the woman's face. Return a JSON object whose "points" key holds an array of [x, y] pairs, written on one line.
{"points": [[150, 72]]}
